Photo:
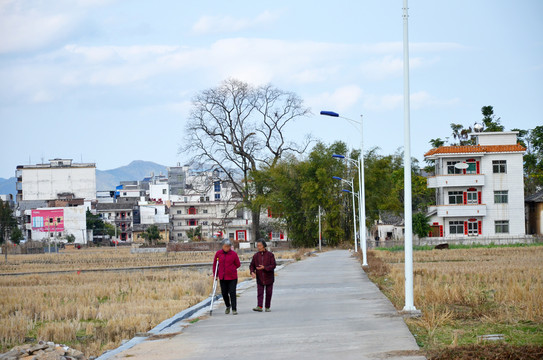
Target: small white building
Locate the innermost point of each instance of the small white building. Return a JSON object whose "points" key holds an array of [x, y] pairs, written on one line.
{"points": [[55, 223], [479, 188]]}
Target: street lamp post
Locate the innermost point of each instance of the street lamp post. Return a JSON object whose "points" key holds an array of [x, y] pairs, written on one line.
{"points": [[351, 184], [408, 211], [361, 185], [361, 203]]}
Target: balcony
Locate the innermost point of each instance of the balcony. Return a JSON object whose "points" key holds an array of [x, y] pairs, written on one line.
{"points": [[458, 210], [460, 180]]}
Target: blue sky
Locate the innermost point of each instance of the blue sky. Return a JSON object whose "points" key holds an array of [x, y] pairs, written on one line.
{"points": [[112, 81]]}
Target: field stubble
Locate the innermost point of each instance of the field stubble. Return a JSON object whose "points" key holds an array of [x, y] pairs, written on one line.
{"points": [[468, 292], [95, 311]]}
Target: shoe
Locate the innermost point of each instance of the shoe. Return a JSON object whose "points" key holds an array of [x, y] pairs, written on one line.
{"points": [[258, 308], [227, 311], [268, 310], [234, 312]]}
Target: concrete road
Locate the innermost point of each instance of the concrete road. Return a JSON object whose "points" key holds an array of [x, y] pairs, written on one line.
{"points": [[323, 308]]}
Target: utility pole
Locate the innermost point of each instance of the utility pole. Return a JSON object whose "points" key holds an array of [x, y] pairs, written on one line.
{"points": [[320, 232]]}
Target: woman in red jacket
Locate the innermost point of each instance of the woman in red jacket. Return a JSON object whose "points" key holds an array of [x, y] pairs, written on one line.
{"points": [[228, 275], [262, 267]]}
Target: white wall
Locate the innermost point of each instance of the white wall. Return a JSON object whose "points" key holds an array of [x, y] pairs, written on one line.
{"points": [[159, 191], [46, 183], [75, 223]]}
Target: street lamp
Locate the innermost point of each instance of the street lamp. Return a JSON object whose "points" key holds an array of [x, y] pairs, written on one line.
{"points": [[361, 183], [351, 184], [361, 204], [408, 210]]}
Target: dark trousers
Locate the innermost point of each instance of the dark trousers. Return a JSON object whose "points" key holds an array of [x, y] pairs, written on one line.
{"points": [[228, 290], [260, 294]]}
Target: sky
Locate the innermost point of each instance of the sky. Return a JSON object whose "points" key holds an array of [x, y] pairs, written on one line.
{"points": [[110, 81]]}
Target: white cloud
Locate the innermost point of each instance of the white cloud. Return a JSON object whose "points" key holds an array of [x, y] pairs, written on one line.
{"points": [[390, 66], [257, 61], [228, 24], [340, 100], [29, 24], [419, 100]]}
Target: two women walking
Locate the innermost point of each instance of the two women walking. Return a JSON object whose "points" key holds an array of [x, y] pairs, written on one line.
{"points": [[262, 268]]}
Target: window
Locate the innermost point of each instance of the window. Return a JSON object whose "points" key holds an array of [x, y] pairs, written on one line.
{"points": [[179, 223], [223, 211], [204, 222], [192, 210], [501, 197], [201, 199], [499, 166], [163, 191], [501, 226], [192, 222], [124, 193], [179, 235], [472, 197], [456, 227], [451, 169], [207, 198], [456, 197], [217, 186], [473, 228], [204, 211], [179, 212], [217, 197], [472, 167]]}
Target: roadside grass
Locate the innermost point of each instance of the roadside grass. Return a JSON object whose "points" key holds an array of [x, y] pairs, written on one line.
{"points": [[460, 246], [467, 292], [95, 311]]}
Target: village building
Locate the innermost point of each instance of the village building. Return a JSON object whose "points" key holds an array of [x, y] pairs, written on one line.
{"points": [[58, 184], [534, 214], [479, 188], [388, 227]]}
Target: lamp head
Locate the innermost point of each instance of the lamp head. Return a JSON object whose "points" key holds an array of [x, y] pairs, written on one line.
{"points": [[339, 156], [330, 113], [336, 178], [345, 190]]}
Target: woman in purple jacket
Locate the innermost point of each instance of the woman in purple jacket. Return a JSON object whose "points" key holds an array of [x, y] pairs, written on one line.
{"points": [[228, 275], [262, 267]]}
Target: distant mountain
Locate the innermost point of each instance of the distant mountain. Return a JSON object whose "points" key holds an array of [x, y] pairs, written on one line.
{"points": [[136, 170], [7, 186]]}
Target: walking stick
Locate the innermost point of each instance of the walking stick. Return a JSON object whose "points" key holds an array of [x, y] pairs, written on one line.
{"points": [[214, 287]]}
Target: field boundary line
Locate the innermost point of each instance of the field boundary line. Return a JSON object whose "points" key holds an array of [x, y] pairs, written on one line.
{"points": [[154, 267]]}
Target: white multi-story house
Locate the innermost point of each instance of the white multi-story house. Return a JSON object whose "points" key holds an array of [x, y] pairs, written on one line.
{"points": [[479, 188], [208, 201], [50, 185], [59, 176]]}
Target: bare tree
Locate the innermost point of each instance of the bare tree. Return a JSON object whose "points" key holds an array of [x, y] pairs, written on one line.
{"points": [[241, 129]]}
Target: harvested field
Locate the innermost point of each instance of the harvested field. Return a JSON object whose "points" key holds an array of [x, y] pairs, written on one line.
{"points": [[467, 293], [95, 311]]}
